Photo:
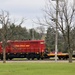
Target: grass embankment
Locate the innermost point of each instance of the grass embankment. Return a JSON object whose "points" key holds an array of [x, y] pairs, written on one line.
{"points": [[37, 68]]}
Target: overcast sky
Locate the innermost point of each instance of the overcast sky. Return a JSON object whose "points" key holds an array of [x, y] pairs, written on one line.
{"points": [[29, 9]]}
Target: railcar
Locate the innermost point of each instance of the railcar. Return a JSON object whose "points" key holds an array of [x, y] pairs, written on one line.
{"points": [[60, 55], [29, 49]]}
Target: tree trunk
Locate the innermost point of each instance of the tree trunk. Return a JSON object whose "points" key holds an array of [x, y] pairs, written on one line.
{"points": [[69, 43], [4, 55], [70, 56]]}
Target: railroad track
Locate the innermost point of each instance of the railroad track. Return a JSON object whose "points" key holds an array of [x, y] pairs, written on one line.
{"points": [[45, 60]]}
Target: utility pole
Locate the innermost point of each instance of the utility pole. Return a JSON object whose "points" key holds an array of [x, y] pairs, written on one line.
{"points": [[56, 36], [74, 4]]}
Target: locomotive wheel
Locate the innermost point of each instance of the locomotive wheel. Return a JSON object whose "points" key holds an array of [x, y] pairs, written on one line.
{"points": [[42, 58], [33, 58], [59, 58], [38, 58], [1, 58], [10, 58], [28, 58], [6, 58]]}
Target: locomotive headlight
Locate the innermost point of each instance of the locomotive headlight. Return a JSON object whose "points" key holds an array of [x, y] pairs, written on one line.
{"points": [[37, 52]]}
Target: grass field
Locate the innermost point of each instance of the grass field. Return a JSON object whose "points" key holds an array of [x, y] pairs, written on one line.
{"points": [[19, 68]]}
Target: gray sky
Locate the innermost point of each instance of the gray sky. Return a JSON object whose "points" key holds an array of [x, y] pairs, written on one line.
{"points": [[28, 9], [18, 9]]}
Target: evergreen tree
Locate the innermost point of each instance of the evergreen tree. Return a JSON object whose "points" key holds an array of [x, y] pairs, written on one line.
{"points": [[34, 34], [50, 39]]}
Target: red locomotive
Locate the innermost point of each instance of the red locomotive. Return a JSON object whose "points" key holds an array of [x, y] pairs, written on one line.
{"points": [[24, 49]]}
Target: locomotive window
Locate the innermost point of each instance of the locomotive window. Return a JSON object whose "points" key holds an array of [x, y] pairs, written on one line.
{"points": [[41, 42]]}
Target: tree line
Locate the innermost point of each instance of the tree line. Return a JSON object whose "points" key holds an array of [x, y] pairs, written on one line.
{"points": [[62, 45], [19, 33]]}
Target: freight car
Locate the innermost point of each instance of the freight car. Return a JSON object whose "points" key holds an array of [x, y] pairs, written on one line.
{"points": [[60, 55], [29, 49]]}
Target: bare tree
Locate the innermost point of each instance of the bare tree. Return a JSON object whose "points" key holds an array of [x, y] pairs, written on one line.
{"points": [[5, 23], [65, 23], [41, 30]]}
